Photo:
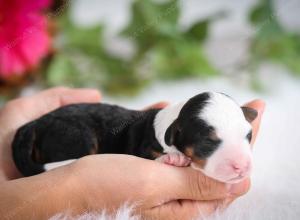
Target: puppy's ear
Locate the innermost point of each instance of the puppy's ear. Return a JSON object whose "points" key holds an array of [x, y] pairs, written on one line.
{"points": [[171, 132], [249, 113]]}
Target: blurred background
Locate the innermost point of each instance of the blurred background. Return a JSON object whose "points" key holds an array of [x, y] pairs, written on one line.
{"points": [[141, 52], [128, 48]]}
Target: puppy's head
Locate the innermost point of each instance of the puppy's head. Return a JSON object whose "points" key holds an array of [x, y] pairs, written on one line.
{"points": [[216, 133]]}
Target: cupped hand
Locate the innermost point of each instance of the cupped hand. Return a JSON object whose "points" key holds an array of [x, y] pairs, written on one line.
{"points": [[22, 110], [159, 191], [107, 181]]}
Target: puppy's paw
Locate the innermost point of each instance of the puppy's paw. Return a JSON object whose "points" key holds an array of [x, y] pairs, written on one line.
{"points": [[175, 159]]}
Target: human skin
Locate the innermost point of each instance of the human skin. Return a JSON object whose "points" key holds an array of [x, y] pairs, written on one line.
{"points": [[98, 182]]}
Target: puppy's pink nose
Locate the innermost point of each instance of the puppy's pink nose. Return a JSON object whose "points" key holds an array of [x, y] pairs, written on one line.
{"points": [[241, 168]]}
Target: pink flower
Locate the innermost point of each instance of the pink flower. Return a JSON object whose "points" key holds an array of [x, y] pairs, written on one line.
{"points": [[24, 40]]}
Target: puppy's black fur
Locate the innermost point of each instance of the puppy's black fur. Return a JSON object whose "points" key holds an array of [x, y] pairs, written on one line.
{"points": [[189, 131], [77, 130]]}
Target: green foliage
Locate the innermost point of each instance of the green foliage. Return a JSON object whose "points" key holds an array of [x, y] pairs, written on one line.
{"points": [[175, 53], [198, 31], [87, 39], [81, 60], [152, 22], [162, 51], [61, 71], [262, 12], [271, 41], [79, 50], [181, 59]]}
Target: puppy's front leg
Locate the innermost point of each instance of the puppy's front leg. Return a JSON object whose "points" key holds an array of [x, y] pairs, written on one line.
{"points": [[175, 159]]}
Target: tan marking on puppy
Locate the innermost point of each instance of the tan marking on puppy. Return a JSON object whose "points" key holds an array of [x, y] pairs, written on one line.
{"points": [[35, 152], [199, 163], [213, 136], [189, 151], [36, 155], [95, 148], [156, 154]]}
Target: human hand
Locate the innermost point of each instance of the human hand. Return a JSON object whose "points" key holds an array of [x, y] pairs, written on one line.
{"points": [[197, 191], [18, 112], [22, 110], [42, 193], [158, 190]]}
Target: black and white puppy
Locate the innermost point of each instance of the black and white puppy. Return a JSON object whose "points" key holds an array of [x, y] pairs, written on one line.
{"points": [[209, 131]]}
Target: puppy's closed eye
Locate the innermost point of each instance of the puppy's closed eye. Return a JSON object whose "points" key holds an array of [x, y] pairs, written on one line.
{"points": [[213, 137], [249, 136]]}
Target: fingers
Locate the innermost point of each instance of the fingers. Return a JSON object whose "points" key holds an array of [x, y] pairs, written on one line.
{"points": [[259, 106], [51, 99], [191, 209], [80, 96], [186, 209], [176, 210], [157, 105], [202, 187], [193, 185], [187, 183], [239, 189]]}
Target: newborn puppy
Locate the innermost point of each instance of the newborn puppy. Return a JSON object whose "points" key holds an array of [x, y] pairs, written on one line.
{"points": [[213, 131], [209, 131]]}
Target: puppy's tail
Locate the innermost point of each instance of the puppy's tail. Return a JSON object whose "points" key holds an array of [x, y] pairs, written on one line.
{"points": [[22, 148]]}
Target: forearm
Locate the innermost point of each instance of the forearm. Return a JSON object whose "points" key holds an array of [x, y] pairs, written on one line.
{"points": [[41, 196]]}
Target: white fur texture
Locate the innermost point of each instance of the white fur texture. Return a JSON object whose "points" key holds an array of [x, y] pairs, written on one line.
{"points": [[231, 127], [229, 122], [124, 213], [51, 166], [163, 120]]}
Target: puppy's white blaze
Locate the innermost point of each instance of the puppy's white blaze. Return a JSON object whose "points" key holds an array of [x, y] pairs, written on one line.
{"points": [[229, 122], [226, 117], [163, 120], [51, 166], [231, 127], [218, 165]]}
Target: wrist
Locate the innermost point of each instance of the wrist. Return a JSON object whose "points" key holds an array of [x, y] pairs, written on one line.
{"points": [[73, 191], [63, 192], [103, 183], [89, 191], [45, 195], [57, 192]]}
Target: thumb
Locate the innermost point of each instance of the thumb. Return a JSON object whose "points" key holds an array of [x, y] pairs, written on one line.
{"points": [[157, 105], [185, 209], [189, 184], [197, 186], [189, 193], [259, 106], [51, 99]]}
